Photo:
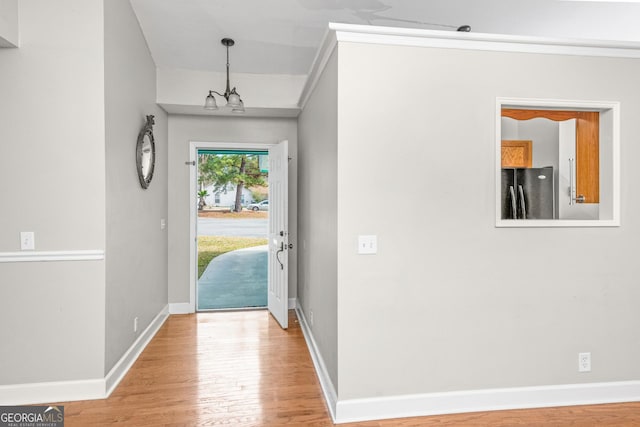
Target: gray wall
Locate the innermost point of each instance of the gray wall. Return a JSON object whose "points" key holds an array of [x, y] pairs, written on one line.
{"points": [[318, 210], [52, 182], [9, 23], [136, 247], [183, 130], [451, 302]]}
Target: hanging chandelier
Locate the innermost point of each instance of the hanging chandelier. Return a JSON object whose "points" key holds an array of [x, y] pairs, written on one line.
{"points": [[230, 95]]}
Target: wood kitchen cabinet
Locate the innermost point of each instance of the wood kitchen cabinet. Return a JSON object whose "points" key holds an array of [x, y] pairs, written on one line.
{"points": [[516, 154], [587, 145]]}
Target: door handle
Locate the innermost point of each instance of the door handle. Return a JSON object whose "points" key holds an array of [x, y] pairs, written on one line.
{"points": [[573, 184], [278, 255], [523, 203], [514, 213]]}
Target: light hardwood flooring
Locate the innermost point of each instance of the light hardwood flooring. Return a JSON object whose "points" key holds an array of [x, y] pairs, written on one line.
{"points": [[241, 369]]}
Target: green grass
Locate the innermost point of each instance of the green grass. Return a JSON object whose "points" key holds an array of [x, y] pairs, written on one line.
{"points": [[210, 247]]}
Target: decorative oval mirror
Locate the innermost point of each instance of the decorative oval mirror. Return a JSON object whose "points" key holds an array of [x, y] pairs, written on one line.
{"points": [[146, 153]]}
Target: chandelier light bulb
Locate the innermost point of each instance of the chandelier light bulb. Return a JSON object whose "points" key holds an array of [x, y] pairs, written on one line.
{"points": [[210, 102]]}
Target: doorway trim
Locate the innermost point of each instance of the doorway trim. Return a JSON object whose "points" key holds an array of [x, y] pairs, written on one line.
{"points": [[194, 146]]}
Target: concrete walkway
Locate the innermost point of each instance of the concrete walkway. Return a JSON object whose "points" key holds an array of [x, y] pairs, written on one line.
{"points": [[237, 279]]}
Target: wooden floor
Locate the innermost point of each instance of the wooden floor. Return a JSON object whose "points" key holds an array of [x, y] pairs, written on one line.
{"points": [[241, 369]]}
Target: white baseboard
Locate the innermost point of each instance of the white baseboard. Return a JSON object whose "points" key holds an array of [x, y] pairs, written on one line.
{"points": [[378, 408], [418, 405], [55, 391], [329, 391], [292, 303], [127, 360], [99, 388], [181, 308]]}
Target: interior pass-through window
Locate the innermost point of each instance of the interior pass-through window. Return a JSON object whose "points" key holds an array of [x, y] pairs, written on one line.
{"points": [[557, 163]]}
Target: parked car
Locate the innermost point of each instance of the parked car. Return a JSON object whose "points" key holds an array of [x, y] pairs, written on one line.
{"points": [[262, 206]]}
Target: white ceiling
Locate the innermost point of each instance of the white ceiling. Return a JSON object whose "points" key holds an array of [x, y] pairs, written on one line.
{"points": [[282, 36]]}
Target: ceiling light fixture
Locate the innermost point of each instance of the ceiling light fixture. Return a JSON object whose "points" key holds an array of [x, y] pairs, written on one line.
{"points": [[233, 98]]}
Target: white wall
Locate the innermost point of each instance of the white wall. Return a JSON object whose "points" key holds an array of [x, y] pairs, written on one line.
{"points": [[182, 130], [52, 182], [451, 302], [318, 213], [9, 36], [136, 246]]}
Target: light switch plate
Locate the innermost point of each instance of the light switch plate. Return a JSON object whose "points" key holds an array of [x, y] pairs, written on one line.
{"points": [[27, 241], [368, 244]]}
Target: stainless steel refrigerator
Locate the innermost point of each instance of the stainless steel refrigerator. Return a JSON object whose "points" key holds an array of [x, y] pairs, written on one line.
{"points": [[528, 193]]}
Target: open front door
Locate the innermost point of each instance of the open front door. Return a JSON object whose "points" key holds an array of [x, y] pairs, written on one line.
{"points": [[278, 293]]}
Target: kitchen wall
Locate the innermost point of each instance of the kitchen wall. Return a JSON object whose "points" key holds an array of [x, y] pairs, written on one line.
{"points": [[136, 246], [52, 182], [450, 302], [543, 133], [318, 210], [182, 130]]}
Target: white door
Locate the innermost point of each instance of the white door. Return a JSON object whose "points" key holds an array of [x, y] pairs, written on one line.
{"points": [[278, 293]]}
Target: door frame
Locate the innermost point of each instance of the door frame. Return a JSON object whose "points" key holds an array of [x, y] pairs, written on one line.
{"points": [[194, 146]]}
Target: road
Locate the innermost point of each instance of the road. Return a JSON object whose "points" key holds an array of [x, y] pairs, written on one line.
{"points": [[233, 227]]}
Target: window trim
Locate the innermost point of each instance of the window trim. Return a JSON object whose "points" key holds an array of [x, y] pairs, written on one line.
{"points": [[552, 104]]}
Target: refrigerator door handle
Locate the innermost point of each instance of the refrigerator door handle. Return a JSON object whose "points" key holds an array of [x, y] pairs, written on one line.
{"points": [[523, 204], [571, 190], [514, 212], [573, 197]]}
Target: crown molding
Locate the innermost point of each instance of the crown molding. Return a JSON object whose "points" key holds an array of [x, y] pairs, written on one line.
{"points": [[368, 34]]}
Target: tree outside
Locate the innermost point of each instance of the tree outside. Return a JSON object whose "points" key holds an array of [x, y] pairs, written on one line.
{"points": [[222, 170], [201, 196]]}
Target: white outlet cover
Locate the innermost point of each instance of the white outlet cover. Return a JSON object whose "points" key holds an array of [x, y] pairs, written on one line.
{"points": [[584, 362], [368, 244], [27, 240]]}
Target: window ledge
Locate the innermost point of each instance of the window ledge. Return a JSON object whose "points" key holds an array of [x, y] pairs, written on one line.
{"points": [[555, 223]]}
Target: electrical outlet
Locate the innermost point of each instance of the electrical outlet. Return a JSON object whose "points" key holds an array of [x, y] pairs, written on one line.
{"points": [[163, 224], [584, 362], [368, 245], [27, 240], [311, 317], [135, 324]]}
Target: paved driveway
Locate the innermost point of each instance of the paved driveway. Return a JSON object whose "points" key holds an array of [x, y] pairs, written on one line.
{"points": [[233, 227]]}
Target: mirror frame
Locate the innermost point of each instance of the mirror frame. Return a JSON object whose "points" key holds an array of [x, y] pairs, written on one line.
{"points": [[147, 130]]}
